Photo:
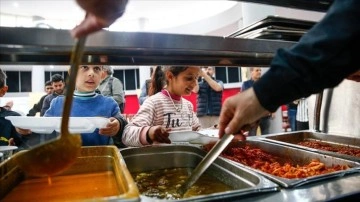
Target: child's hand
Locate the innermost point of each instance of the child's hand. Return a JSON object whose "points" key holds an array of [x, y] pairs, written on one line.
{"points": [[112, 128], [159, 134], [11, 142], [23, 131]]}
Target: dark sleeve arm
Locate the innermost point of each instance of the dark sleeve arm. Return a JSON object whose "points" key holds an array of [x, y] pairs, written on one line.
{"points": [[45, 106], [324, 56], [118, 137], [37, 107]]}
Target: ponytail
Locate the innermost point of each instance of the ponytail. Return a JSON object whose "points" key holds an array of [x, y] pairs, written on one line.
{"points": [[157, 81]]}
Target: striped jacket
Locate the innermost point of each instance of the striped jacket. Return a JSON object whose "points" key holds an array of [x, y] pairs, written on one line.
{"points": [[159, 110]]}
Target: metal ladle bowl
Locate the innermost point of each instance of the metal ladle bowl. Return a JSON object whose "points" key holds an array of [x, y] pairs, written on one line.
{"points": [[55, 156]]}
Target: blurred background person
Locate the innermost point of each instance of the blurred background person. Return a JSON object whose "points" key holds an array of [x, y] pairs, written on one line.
{"points": [[9, 135], [292, 111], [264, 123], [209, 97], [145, 88], [112, 87], [302, 116], [37, 107], [58, 84]]}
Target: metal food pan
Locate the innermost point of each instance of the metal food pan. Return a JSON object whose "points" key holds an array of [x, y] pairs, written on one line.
{"points": [[242, 180], [293, 138], [266, 33], [275, 21], [298, 157], [105, 160]]}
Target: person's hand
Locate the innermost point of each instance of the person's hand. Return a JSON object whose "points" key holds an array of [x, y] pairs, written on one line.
{"points": [[10, 104], [112, 128], [100, 14], [355, 76], [239, 112], [12, 142], [202, 73], [159, 134], [22, 131]]}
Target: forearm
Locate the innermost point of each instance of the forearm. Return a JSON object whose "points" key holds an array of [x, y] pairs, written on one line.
{"points": [[212, 83]]}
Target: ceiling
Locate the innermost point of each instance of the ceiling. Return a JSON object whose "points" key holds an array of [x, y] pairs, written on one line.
{"points": [[140, 15]]}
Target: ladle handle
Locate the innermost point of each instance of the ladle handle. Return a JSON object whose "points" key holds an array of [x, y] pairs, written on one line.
{"points": [[75, 61], [206, 162]]}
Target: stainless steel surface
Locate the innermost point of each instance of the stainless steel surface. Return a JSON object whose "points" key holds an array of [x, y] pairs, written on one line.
{"points": [[317, 111], [52, 47], [205, 163], [91, 160], [272, 23], [293, 138], [300, 157], [314, 5], [244, 182], [345, 188]]}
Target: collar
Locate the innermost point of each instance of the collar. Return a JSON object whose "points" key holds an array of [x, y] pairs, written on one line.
{"points": [[172, 96], [84, 95]]}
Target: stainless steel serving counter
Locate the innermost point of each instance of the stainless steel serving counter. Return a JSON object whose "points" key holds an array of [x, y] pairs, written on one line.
{"points": [[29, 46], [342, 188]]}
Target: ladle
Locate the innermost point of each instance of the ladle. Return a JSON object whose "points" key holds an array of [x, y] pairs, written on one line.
{"points": [[205, 163], [55, 156]]}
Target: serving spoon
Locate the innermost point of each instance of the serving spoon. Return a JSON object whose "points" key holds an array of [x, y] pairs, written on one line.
{"points": [[55, 156], [205, 163]]}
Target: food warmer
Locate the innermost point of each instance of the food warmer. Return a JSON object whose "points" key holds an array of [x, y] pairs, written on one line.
{"points": [[31, 46]]}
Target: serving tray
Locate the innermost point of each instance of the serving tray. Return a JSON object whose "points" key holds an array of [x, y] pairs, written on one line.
{"points": [[297, 157], [243, 181], [50, 124], [292, 139], [98, 174]]}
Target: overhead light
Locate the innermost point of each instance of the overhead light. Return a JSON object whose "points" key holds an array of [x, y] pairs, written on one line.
{"points": [[15, 4]]}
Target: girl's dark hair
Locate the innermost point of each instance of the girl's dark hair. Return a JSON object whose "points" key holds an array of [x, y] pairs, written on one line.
{"points": [[158, 79]]}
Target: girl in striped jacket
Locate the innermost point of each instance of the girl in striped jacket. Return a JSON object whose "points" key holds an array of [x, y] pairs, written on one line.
{"points": [[166, 110]]}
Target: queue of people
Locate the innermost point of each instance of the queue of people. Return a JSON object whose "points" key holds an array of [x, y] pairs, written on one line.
{"points": [[294, 73], [85, 98], [321, 59], [37, 107]]}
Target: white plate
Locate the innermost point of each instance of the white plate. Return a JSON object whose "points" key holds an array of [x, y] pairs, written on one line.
{"points": [[35, 124], [49, 124], [6, 151], [192, 137], [210, 132], [7, 148], [183, 136], [84, 124]]}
